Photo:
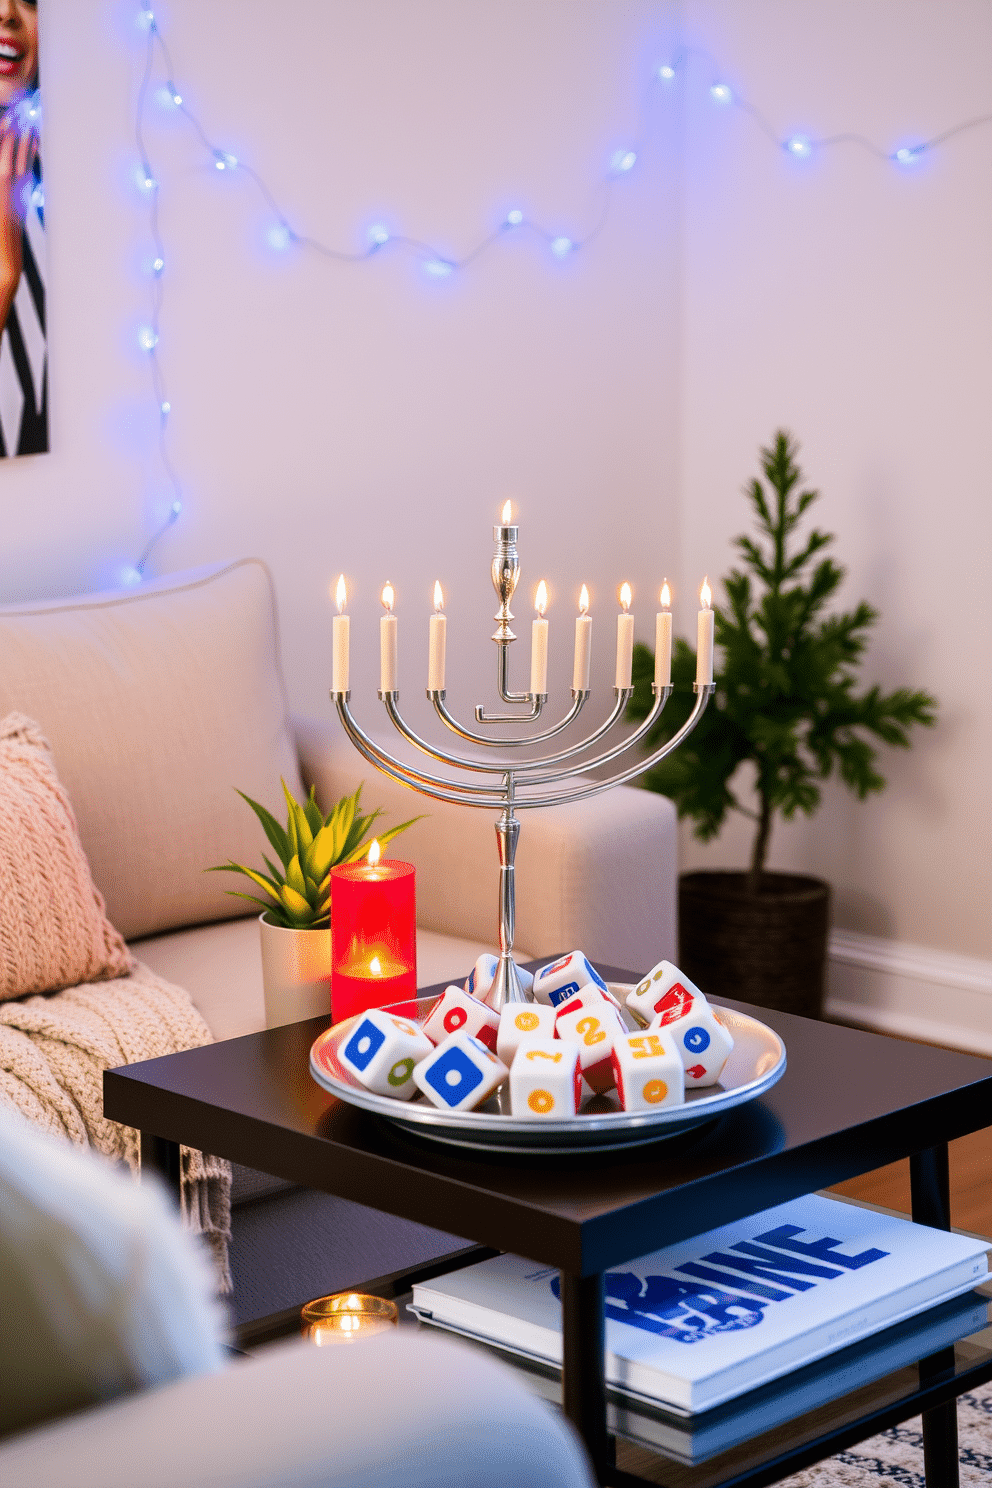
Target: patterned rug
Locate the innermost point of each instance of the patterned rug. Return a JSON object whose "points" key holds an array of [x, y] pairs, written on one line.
{"points": [[895, 1458]]}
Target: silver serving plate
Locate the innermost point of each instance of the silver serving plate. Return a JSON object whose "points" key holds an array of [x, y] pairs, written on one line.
{"points": [[756, 1062]]}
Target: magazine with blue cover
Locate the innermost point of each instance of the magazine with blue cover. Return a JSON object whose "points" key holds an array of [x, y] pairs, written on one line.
{"points": [[698, 1438], [695, 1324]]}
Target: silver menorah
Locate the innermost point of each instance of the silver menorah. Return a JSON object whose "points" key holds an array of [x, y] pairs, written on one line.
{"points": [[517, 784]]}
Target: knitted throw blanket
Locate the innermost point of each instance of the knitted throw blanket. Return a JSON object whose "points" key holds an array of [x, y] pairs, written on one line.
{"points": [[54, 1049]]}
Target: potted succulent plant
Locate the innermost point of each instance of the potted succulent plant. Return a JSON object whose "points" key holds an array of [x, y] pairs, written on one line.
{"points": [[295, 922], [786, 703]]}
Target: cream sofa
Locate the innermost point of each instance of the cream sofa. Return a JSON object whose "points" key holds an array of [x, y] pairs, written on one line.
{"points": [[159, 701]]}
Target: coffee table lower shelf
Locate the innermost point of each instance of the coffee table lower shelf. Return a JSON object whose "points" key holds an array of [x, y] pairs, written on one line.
{"points": [[932, 1384]]}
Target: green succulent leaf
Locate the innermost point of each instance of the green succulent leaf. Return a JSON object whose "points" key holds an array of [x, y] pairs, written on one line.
{"points": [[294, 903], [295, 878], [314, 815], [270, 886], [272, 829], [319, 855]]}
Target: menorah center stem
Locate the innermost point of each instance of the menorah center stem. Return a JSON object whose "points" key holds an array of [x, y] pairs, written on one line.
{"points": [[505, 574]]}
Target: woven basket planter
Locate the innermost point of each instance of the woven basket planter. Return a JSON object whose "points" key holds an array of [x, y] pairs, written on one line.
{"points": [[769, 948]]}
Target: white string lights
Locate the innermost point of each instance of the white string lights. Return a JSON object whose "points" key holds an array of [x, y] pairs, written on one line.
{"points": [[282, 236]]}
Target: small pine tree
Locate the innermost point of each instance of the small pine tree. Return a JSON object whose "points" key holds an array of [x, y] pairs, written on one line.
{"points": [[785, 695]]}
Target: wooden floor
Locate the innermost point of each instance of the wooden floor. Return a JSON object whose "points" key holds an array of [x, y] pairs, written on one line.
{"points": [[971, 1184]]}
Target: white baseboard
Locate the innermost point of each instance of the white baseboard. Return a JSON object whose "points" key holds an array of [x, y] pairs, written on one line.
{"points": [[887, 985]]}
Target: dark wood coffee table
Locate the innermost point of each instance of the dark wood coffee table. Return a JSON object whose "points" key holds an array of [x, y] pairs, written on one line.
{"points": [[848, 1102]]}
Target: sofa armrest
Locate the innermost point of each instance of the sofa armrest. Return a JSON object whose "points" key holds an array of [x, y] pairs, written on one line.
{"points": [[408, 1409], [598, 874]]}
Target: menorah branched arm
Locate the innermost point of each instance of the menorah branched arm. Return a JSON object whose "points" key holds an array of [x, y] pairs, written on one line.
{"points": [[493, 795], [511, 790]]}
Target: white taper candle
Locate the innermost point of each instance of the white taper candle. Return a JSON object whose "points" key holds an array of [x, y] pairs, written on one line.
{"points": [[583, 645], [539, 644], [625, 639], [704, 637], [341, 641], [387, 643], [438, 637], [663, 640]]}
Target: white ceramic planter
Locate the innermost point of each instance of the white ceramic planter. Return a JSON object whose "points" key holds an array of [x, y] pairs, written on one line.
{"points": [[296, 972]]}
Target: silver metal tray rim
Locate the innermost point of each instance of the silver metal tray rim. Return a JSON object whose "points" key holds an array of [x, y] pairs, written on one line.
{"points": [[591, 1131]]}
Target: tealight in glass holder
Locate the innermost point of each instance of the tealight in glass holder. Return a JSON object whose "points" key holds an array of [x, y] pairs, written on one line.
{"points": [[346, 1317]]}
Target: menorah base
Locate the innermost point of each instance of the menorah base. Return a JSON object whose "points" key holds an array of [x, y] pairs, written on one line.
{"points": [[507, 986]]}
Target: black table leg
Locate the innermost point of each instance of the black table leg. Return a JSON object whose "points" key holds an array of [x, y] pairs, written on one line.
{"points": [[583, 1364], [929, 1178], [162, 1158]]}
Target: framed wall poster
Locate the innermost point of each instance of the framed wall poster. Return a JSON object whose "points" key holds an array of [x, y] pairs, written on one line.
{"points": [[23, 338]]}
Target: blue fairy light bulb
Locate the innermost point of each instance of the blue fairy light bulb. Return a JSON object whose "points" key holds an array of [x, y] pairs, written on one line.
{"points": [[561, 247], [165, 409], [799, 145], [624, 160], [279, 236], [146, 181], [666, 72], [440, 268], [158, 265], [175, 509], [28, 110], [721, 93], [146, 18], [224, 161], [130, 576], [378, 234], [148, 338], [909, 154], [514, 218]]}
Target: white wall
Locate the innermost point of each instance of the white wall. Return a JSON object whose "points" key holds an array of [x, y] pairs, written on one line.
{"points": [[848, 300], [364, 418], [370, 420]]}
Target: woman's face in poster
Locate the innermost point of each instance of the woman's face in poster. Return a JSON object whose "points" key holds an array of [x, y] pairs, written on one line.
{"points": [[18, 48]]}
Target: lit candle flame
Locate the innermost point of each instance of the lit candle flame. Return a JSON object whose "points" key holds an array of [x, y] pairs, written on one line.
{"points": [[541, 599], [584, 600], [375, 852], [387, 597], [341, 595], [625, 597], [438, 596], [666, 596], [375, 966], [507, 513], [706, 594]]}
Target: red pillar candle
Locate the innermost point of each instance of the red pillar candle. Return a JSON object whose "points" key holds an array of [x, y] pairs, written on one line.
{"points": [[373, 935]]}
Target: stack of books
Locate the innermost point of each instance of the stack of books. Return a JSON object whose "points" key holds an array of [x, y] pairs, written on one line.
{"points": [[694, 1326]]}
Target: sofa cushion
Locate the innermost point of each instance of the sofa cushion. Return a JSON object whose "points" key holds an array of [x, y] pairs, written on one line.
{"points": [[158, 702], [53, 929]]}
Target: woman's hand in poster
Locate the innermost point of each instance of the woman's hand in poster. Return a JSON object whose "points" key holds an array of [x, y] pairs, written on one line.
{"points": [[18, 136], [18, 147]]}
